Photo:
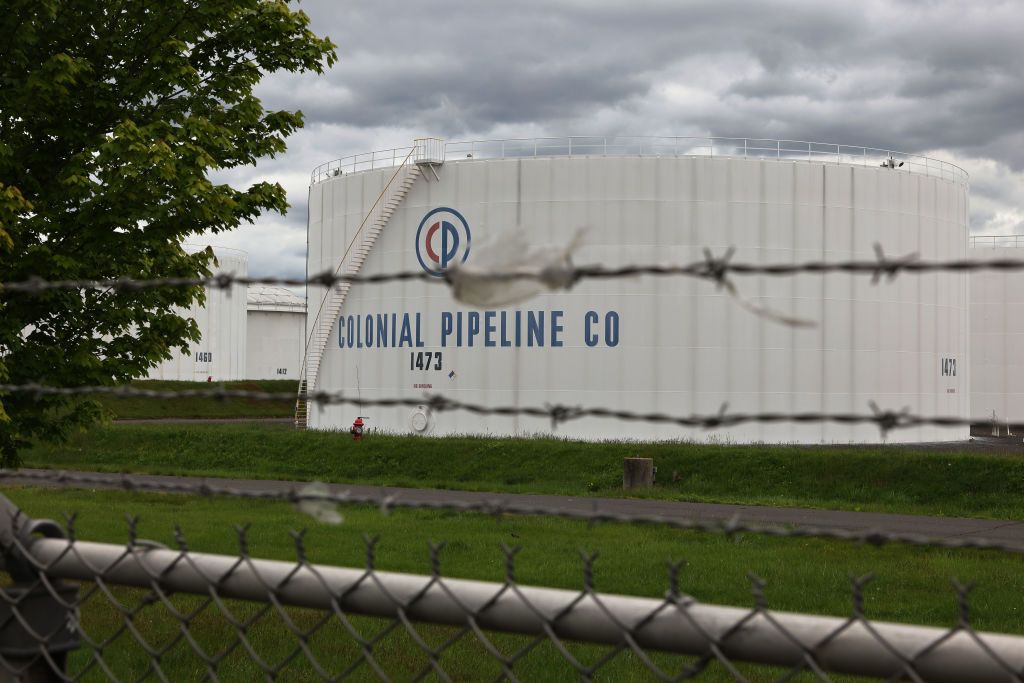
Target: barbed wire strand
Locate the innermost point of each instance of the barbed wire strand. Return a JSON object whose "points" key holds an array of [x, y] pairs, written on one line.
{"points": [[885, 420], [711, 268], [496, 506]]}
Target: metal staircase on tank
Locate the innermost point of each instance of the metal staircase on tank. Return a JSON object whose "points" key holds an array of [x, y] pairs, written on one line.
{"points": [[352, 261]]}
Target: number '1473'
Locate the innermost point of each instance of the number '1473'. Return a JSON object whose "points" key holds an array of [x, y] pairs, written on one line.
{"points": [[425, 360]]}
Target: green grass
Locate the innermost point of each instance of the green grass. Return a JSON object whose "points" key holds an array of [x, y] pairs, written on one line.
{"points": [[145, 408], [889, 479], [911, 585]]}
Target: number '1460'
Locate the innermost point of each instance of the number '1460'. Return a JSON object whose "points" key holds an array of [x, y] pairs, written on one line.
{"points": [[425, 360]]}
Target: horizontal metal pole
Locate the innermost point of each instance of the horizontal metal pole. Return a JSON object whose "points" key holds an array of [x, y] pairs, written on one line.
{"points": [[772, 638]]}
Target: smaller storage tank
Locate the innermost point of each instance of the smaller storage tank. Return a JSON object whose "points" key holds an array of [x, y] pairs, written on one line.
{"points": [[220, 353], [275, 333], [997, 333]]}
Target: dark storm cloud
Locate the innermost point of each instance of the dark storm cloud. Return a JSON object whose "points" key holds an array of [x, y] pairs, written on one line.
{"points": [[467, 66], [914, 75], [941, 76], [463, 67]]}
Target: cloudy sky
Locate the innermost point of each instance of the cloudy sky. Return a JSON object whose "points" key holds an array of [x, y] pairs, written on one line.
{"points": [[943, 78]]}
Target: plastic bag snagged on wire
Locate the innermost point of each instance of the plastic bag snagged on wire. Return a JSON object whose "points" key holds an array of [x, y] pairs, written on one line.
{"points": [[317, 506], [764, 311], [546, 269]]}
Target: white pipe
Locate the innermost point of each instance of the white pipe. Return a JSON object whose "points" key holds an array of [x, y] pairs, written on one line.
{"points": [[772, 638]]}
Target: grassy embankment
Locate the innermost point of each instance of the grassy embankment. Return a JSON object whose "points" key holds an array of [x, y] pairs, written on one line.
{"points": [[145, 408], [912, 584], [889, 479]]}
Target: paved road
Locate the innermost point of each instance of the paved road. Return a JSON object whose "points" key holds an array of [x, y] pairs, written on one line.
{"points": [[1004, 531]]}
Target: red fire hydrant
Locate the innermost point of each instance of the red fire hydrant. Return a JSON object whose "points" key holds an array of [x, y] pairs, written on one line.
{"points": [[357, 429]]}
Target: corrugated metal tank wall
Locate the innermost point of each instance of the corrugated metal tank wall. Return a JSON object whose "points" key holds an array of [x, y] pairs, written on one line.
{"points": [[685, 347], [275, 344], [997, 339], [220, 355]]}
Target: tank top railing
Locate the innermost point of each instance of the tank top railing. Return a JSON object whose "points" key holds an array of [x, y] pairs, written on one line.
{"points": [[746, 148], [996, 241]]}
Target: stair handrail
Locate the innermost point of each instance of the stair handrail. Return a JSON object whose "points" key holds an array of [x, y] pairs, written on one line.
{"points": [[337, 271]]}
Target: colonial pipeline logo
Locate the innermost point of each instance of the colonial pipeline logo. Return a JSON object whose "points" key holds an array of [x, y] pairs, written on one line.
{"points": [[442, 240]]}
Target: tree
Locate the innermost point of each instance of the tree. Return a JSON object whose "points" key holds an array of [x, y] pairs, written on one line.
{"points": [[113, 114]]}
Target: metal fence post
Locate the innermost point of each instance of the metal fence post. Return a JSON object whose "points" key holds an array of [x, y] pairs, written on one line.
{"points": [[38, 620]]}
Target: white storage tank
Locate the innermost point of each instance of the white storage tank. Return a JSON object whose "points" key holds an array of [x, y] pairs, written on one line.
{"points": [[671, 345], [220, 354], [997, 333], [275, 332]]}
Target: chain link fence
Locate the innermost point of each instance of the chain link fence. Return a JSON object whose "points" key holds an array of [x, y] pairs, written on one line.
{"points": [[71, 609]]}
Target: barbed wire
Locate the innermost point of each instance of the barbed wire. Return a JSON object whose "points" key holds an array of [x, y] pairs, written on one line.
{"points": [[714, 268], [885, 420], [311, 497]]}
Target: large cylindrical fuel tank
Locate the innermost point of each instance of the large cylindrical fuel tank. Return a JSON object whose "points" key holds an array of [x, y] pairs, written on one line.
{"points": [[671, 345]]}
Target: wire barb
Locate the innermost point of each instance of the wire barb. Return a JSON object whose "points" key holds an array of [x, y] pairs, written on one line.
{"points": [[889, 268]]}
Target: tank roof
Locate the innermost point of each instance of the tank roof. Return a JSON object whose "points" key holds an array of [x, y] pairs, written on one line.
{"points": [[192, 248], [268, 298]]}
